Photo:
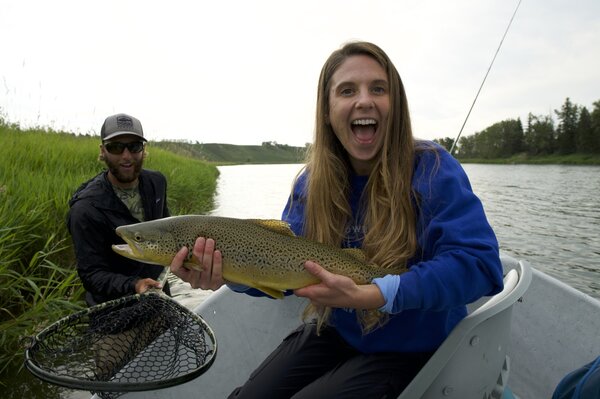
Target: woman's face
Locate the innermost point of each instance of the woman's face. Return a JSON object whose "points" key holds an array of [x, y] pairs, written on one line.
{"points": [[358, 109]]}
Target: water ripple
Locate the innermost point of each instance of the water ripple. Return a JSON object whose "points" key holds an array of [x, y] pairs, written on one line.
{"points": [[547, 214]]}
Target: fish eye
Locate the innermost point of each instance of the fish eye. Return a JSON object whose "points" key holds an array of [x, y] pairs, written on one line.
{"points": [[138, 237]]}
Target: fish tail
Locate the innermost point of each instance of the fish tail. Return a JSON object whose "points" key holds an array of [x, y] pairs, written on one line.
{"points": [[371, 319], [321, 313], [323, 318]]}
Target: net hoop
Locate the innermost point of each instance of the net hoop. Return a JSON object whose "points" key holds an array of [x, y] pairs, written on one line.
{"points": [[115, 385]]}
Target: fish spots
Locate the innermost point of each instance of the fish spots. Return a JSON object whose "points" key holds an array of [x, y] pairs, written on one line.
{"points": [[253, 253]]}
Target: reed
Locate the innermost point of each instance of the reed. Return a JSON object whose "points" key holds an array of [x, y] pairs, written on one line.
{"points": [[39, 171]]}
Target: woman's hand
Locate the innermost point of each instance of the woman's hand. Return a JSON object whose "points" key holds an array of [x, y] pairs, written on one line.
{"points": [[339, 291], [210, 277]]}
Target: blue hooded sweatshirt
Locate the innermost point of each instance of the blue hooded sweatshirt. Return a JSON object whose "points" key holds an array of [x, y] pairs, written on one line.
{"points": [[456, 263]]}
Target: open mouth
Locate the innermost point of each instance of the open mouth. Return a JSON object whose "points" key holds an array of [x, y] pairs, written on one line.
{"points": [[129, 249], [127, 166], [364, 130], [124, 250]]}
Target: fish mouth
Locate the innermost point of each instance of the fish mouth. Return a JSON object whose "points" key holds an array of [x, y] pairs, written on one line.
{"points": [[127, 251], [132, 250]]}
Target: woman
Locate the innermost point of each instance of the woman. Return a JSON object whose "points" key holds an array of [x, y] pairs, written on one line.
{"points": [[369, 184]]}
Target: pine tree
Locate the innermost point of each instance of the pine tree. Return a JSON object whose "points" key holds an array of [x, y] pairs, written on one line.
{"points": [[595, 126], [567, 127], [584, 133], [539, 136]]}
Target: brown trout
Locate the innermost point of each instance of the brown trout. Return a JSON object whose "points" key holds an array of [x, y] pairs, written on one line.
{"points": [[263, 254]]}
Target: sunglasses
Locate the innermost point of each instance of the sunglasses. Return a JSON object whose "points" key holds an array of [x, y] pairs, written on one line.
{"points": [[117, 148]]}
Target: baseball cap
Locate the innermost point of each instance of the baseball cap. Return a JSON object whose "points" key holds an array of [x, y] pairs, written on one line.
{"points": [[119, 125]]}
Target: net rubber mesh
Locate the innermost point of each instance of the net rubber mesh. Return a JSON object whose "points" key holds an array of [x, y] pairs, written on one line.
{"points": [[135, 343]]}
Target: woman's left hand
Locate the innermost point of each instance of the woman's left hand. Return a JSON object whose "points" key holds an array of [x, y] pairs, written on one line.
{"points": [[210, 260], [339, 291]]}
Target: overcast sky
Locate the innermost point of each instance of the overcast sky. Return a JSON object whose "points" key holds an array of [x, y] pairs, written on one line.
{"points": [[244, 72]]}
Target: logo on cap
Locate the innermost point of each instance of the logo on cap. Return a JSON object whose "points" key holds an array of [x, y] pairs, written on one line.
{"points": [[124, 122], [119, 125]]}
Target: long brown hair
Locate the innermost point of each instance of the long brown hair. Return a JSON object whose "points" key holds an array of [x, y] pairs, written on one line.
{"points": [[389, 214]]}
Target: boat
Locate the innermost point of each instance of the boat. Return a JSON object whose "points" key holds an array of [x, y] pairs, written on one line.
{"points": [[517, 344]]}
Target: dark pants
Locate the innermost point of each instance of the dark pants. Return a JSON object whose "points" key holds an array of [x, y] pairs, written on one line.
{"points": [[307, 365]]}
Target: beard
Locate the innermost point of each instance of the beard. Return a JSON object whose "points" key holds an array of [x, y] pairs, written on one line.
{"points": [[125, 176]]}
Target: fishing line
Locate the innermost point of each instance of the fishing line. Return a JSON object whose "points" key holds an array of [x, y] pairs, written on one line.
{"points": [[485, 77]]}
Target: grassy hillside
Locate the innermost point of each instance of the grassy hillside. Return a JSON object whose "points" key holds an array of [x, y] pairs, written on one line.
{"points": [[39, 170], [236, 154]]}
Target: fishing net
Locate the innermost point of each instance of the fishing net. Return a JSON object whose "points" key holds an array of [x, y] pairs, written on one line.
{"points": [[136, 343]]}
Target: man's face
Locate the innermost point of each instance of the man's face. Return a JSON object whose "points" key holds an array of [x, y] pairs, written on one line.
{"points": [[124, 168]]}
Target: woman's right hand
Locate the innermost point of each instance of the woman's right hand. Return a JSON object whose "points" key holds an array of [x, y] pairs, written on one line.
{"points": [[210, 277]]}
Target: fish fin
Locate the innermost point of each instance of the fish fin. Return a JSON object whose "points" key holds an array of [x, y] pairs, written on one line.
{"points": [[270, 292], [233, 276], [192, 265], [356, 253], [278, 226]]}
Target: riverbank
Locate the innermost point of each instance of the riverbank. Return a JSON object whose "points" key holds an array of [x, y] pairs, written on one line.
{"points": [[525, 159], [229, 154], [39, 171]]}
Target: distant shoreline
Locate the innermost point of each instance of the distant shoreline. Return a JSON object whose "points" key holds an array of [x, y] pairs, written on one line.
{"points": [[572, 159], [273, 153]]}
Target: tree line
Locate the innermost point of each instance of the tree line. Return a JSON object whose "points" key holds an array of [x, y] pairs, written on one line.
{"points": [[576, 130]]}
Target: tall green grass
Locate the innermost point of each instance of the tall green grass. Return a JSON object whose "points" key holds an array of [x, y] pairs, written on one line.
{"points": [[39, 171]]}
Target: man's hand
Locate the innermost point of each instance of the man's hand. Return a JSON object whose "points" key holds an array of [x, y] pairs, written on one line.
{"points": [[145, 284]]}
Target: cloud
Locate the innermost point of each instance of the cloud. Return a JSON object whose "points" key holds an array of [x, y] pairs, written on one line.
{"points": [[245, 72]]}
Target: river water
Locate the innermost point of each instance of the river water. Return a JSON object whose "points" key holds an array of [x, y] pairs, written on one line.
{"points": [[548, 215]]}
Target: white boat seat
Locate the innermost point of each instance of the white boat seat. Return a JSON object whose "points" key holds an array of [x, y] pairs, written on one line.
{"points": [[472, 362], [510, 282]]}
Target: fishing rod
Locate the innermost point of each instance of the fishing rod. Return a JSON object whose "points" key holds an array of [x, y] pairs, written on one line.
{"points": [[484, 78]]}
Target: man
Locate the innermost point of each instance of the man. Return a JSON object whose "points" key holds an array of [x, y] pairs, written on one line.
{"points": [[123, 194]]}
